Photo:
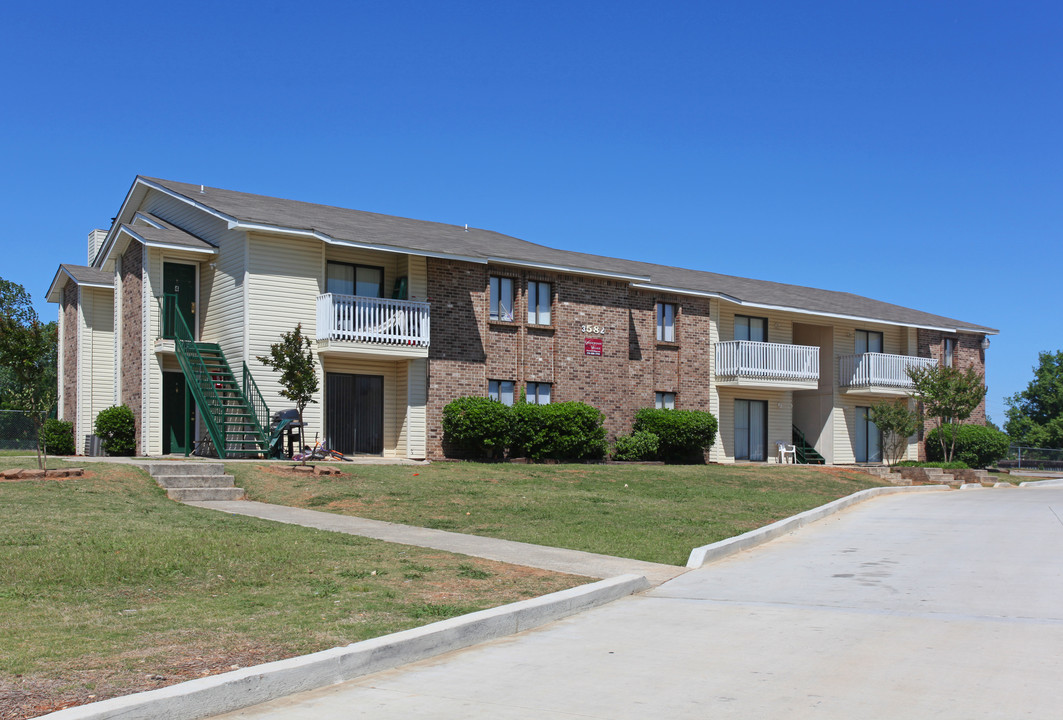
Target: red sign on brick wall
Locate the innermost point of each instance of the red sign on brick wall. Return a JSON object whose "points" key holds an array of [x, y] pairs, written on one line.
{"points": [[592, 346]]}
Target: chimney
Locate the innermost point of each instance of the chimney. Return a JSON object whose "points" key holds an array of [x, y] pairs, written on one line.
{"points": [[96, 238]]}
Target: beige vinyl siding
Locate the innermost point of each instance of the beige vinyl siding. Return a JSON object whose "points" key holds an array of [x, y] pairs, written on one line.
{"points": [[718, 452], [780, 324], [417, 401], [417, 271], [779, 418], [222, 309], [394, 374], [151, 432], [96, 360], [283, 282]]}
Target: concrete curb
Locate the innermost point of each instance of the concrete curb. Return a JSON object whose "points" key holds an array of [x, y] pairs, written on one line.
{"points": [[250, 686], [1055, 482], [708, 553]]}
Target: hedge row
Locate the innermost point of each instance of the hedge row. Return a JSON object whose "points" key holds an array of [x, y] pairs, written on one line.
{"points": [[978, 446], [484, 429]]}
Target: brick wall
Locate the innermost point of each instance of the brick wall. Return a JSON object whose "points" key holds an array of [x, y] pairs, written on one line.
{"points": [[69, 310], [131, 347], [468, 350], [967, 353]]}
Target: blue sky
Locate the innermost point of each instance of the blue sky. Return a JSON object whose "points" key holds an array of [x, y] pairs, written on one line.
{"points": [[907, 151]]}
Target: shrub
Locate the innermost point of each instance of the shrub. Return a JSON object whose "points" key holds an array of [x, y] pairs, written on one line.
{"points": [[642, 445], [977, 445], [954, 465], [57, 437], [560, 431], [683, 434], [117, 430], [476, 427]]}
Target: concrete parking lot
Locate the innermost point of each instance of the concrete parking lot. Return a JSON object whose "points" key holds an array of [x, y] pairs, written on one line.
{"points": [[944, 605]]}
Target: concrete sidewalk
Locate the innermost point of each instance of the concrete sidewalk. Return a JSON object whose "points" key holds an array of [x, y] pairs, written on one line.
{"points": [[575, 562], [922, 605]]}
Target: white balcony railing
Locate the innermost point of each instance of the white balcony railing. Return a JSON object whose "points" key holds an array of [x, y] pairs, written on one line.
{"points": [[372, 320], [766, 361], [879, 369]]}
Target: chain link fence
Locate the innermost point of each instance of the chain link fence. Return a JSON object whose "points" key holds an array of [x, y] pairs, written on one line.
{"points": [[16, 431], [1030, 458]]}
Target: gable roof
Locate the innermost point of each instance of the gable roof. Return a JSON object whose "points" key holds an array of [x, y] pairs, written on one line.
{"points": [[246, 211], [80, 275]]}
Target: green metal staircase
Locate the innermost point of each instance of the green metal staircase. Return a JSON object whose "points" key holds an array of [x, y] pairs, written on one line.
{"points": [[805, 454], [234, 416]]}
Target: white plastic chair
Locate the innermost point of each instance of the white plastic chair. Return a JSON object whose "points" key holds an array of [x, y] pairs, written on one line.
{"points": [[784, 450]]}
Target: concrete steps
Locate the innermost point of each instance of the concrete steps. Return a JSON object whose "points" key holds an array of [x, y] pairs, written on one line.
{"points": [[192, 481]]}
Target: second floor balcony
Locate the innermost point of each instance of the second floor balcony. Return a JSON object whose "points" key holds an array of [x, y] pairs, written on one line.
{"points": [[351, 323], [767, 365], [878, 373]]}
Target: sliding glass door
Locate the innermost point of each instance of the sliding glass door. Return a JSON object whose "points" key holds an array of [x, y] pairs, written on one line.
{"points": [[868, 438], [751, 430]]}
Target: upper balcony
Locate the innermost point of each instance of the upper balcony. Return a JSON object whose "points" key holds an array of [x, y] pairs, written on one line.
{"points": [[878, 373], [767, 365], [372, 326]]}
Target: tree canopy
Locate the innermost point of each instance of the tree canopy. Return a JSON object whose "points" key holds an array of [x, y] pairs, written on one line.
{"points": [[293, 359], [948, 395], [1035, 415]]}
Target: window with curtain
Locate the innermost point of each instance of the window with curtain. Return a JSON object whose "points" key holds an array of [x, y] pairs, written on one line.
{"points": [[665, 401], [868, 341], [501, 292], [666, 322], [538, 302], [950, 348], [500, 390], [538, 393], [349, 279], [751, 328]]}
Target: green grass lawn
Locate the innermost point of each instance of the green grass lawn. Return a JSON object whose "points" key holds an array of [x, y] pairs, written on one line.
{"points": [[105, 583], [649, 512]]}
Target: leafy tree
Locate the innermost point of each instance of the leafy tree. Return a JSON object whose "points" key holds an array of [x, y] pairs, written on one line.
{"points": [[896, 423], [1035, 415], [293, 359], [948, 395], [28, 352]]}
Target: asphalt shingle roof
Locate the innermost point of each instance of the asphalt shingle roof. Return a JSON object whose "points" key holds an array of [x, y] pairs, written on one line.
{"points": [[407, 235]]}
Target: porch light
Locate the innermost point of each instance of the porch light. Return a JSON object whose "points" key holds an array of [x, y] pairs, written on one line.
{"points": [[985, 343]]}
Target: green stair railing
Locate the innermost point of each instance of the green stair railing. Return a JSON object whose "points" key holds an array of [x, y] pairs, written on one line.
{"points": [[260, 411], [228, 415], [805, 453]]}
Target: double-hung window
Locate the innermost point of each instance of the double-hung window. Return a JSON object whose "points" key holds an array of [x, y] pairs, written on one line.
{"points": [[950, 348], [538, 302], [349, 279], [538, 393], [500, 390], [501, 292], [751, 328], [665, 401], [666, 322], [868, 341]]}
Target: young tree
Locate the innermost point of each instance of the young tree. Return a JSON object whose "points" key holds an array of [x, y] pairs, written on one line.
{"points": [[948, 395], [292, 358], [896, 423], [28, 351], [1035, 415]]}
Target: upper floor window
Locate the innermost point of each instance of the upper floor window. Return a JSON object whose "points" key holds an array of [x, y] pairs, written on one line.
{"points": [[950, 347], [501, 292], [500, 390], [538, 393], [868, 341], [751, 328], [665, 401], [666, 322], [538, 302], [349, 279]]}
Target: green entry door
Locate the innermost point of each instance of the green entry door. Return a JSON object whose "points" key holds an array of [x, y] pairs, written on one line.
{"points": [[176, 438], [180, 279]]}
